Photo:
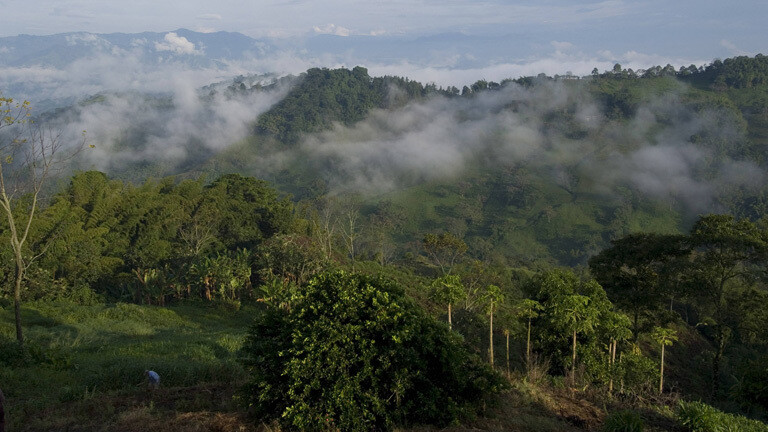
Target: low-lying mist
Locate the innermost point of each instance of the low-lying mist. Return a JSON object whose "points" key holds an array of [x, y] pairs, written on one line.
{"points": [[181, 128], [552, 129]]}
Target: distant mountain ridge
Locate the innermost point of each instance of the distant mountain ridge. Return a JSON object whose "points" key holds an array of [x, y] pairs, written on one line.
{"points": [[194, 48], [453, 49]]}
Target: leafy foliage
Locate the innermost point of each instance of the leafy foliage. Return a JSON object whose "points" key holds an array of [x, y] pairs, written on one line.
{"points": [[623, 421], [572, 311], [324, 96], [700, 417], [753, 386], [353, 353], [158, 240], [632, 271]]}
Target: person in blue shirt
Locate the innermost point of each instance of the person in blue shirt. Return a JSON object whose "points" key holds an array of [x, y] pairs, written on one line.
{"points": [[153, 379]]}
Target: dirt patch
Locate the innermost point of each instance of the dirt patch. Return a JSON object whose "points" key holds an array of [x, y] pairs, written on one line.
{"points": [[139, 419], [212, 407], [578, 412]]}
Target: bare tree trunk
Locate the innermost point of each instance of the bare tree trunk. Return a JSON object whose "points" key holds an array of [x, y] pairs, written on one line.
{"points": [[36, 150], [17, 300], [621, 382], [612, 363], [720, 340], [506, 333], [350, 227], [528, 347], [661, 374], [490, 340], [450, 322], [142, 282], [610, 367], [17, 243], [573, 364]]}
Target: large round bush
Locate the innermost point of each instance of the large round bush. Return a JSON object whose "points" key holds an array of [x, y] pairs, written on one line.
{"points": [[351, 352]]}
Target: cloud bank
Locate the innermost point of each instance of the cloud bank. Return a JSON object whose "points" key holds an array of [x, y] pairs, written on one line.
{"points": [[552, 130], [434, 140]]}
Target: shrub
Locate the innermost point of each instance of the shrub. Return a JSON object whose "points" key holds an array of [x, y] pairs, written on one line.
{"points": [[753, 385], [33, 353], [640, 374], [697, 417], [352, 353], [700, 417], [623, 421]]}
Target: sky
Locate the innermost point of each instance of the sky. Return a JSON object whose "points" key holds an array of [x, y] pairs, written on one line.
{"points": [[682, 29], [446, 42]]}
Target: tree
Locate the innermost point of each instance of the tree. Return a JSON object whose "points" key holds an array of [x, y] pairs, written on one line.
{"points": [[726, 251], [577, 317], [289, 258], [349, 224], [448, 290], [28, 156], [354, 354], [493, 296], [198, 230], [224, 276], [149, 221], [635, 272], [76, 252], [249, 211], [444, 250], [324, 221], [615, 326], [528, 310], [664, 337], [383, 223], [571, 308]]}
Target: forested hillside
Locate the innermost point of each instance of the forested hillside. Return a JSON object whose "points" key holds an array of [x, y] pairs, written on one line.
{"points": [[543, 253], [533, 169]]}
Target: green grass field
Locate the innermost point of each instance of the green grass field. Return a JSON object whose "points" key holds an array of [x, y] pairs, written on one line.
{"points": [[85, 364]]}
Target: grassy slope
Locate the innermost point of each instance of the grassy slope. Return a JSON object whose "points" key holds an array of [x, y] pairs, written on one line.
{"points": [[85, 364], [556, 225], [84, 372]]}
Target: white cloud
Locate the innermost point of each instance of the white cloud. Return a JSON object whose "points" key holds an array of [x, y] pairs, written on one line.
{"points": [[557, 63], [177, 44], [86, 39], [332, 29], [188, 129]]}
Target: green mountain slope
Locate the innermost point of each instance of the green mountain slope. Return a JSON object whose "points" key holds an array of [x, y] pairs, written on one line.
{"points": [[525, 170], [530, 169]]}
